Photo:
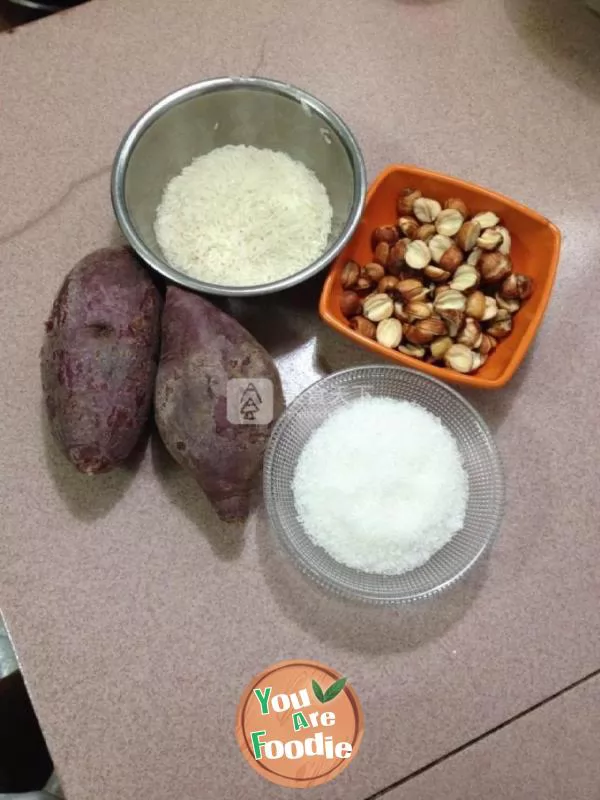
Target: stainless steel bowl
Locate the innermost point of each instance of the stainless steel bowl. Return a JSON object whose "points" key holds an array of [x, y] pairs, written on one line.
{"points": [[252, 111]]}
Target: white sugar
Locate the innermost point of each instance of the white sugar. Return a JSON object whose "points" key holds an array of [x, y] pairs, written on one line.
{"points": [[381, 485]]}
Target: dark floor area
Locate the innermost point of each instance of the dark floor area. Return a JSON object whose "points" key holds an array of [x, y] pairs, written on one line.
{"points": [[25, 762], [13, 14]]}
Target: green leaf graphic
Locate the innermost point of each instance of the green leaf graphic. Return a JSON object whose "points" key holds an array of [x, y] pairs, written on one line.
{"points": [[334, 690], [318, 692]]}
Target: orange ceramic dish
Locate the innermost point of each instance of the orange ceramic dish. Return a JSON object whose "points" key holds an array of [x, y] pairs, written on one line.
{"points": [[535, 251]]}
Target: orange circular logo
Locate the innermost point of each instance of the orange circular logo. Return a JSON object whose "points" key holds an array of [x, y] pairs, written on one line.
{"points": [[299, 724]]}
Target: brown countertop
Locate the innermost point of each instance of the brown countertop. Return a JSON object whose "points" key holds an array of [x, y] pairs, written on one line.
{"points": [[138, 619], [550, 753]]}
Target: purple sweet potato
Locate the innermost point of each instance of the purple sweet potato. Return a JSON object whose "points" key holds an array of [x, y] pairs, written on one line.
{"points": [[99, 358], [201, 350]]}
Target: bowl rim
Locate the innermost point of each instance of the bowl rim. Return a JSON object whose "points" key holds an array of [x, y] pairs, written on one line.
{"points": [[312, 572], [521, 347], [161, 106]]}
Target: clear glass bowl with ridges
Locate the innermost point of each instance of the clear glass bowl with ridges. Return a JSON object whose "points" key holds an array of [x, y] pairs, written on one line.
{"points": [[481, 461]]}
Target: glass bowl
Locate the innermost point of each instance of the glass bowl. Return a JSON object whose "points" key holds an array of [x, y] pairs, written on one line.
{"points": [[481, 461]]}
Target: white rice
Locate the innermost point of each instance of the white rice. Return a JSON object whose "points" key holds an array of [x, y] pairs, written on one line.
{"points": [[243, 216], [381, 486]]}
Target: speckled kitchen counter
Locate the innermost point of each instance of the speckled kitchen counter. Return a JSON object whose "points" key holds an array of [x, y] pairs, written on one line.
{"points": [[549, 753], [137, 617]]}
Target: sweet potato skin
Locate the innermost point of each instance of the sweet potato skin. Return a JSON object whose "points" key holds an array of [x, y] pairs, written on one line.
{"points": [[99, 358], [201, 349]]}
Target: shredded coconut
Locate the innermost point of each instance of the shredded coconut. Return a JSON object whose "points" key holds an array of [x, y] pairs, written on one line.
{"points": [[381, 486], [243, 216]]}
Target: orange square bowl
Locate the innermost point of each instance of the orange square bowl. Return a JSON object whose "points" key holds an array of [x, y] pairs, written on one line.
{"points": [[535, 252]]}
